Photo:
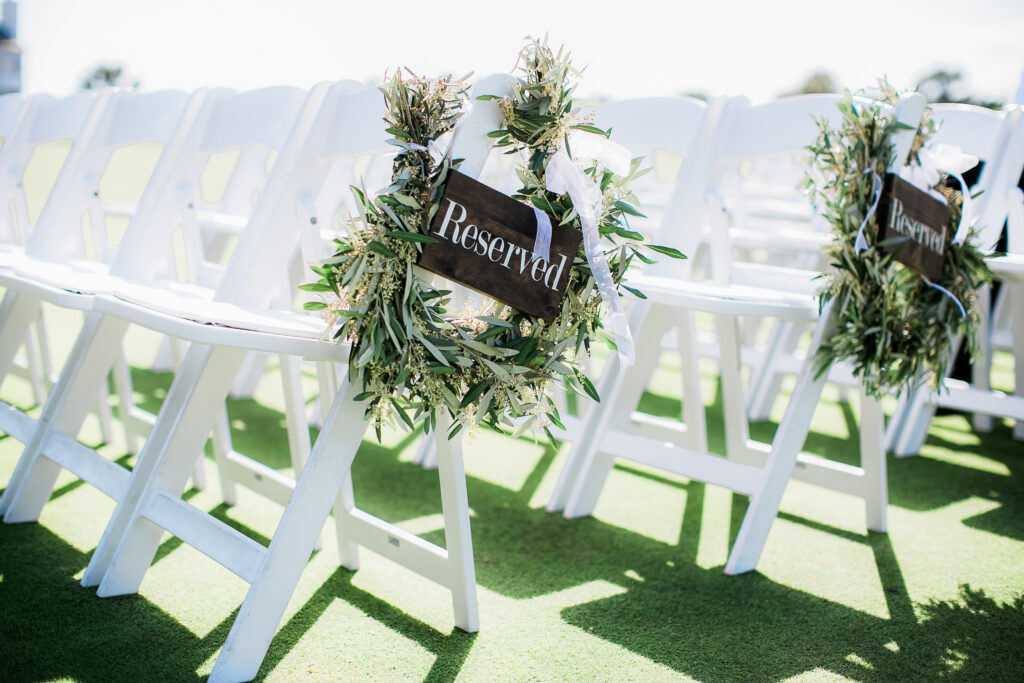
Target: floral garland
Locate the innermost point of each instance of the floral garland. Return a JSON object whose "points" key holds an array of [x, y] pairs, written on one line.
{"points": [[895, 327], [412, 355]]}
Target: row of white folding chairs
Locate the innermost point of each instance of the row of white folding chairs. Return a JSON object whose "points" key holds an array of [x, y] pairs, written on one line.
{"points": [[339, 124], [246, 313], [68, 260]]}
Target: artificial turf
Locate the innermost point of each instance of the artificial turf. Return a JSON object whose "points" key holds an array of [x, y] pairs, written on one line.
{"points": [[635, 592]]}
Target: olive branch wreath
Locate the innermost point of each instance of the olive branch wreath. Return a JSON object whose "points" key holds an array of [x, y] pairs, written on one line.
{"points": [[894, 327], [494, 366]]}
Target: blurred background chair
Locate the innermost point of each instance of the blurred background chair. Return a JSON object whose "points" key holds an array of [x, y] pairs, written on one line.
{"points": [[997, 138]]}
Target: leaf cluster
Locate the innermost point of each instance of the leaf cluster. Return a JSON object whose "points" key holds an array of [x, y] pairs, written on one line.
{"points": [[895, 328]]}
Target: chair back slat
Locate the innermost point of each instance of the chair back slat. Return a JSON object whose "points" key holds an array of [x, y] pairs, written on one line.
{"points": [[257, 117]]}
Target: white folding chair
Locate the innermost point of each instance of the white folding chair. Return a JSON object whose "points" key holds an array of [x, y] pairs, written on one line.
{"points": [[149, 498], [672, 134], [756, 469], [998, 139], [146, 257], [44, 122], [15, 111]]}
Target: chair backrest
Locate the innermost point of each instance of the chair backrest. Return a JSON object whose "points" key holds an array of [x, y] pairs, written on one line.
{"points": [[43, 120], [780, 130], [673, 135], [13, 107], [339, 121], [251, 125], [349, 124], [997, 138], [128, 119]]}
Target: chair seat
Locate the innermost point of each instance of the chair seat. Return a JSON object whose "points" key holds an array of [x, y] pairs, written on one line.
{"points": [[70, 285], [786, 236], [79, 276], [10, 255], [1008, 267], [732, 299], [186, 311]]}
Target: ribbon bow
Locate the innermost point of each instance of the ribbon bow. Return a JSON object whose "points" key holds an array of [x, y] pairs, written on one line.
{"points": [[925, 176]]}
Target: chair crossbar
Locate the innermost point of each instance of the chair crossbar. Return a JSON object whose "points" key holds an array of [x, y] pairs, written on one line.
{"points": [[958, 395], [397, 545], [657, 427], [814, 469], [713, 469], [212, 537], [106, 475], [16, 424], [258, 477]]}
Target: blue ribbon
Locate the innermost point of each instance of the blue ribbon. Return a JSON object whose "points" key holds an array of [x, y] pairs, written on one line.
{"points": [[963, 313], [860, 244]]}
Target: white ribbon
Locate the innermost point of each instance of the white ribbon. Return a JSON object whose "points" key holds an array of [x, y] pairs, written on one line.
{"points": [[612, 156], [542, 243], [615, 158], [860, 244], [565, 177], [925, 176], [442, 146]]}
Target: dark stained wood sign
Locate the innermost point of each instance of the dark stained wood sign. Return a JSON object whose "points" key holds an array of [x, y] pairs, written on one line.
{"points": [[485, 242], [906, 211]]}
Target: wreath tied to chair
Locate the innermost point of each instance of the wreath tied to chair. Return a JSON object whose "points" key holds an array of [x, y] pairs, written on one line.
{"points": [[412, 354], [894, 325]]}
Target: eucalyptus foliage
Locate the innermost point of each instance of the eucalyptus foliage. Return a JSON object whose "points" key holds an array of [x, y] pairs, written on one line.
{"points": [[414, 356], [894, 328]]}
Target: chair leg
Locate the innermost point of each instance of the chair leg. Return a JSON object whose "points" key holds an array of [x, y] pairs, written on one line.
{"points": [[694, 415], [582, 451], [34, 356], [766, 380], [221, 443], [459, 541], [737, 430], [65, 410], [586, 472], [129, 543], [295, 416], [125, 390], [328, 467], [981, 367], [789, 439], [1016, 300], [920, 410], [17, 314], [872, 461]]}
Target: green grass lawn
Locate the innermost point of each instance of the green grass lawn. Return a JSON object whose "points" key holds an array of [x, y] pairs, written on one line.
{"points": [[636, 592]]}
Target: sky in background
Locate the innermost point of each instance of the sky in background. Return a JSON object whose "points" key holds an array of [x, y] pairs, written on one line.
{"points": [[630, 47]]}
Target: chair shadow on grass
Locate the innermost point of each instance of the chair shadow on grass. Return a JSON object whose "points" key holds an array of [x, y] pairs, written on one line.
{"points": [[451, 650], [911, 480], [718, 628], [53, 628], [694, 620], [522, 552]]}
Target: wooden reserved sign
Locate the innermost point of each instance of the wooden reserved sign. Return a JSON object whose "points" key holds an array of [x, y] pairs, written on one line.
{"points": [[906, 211], [485, 242]]}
